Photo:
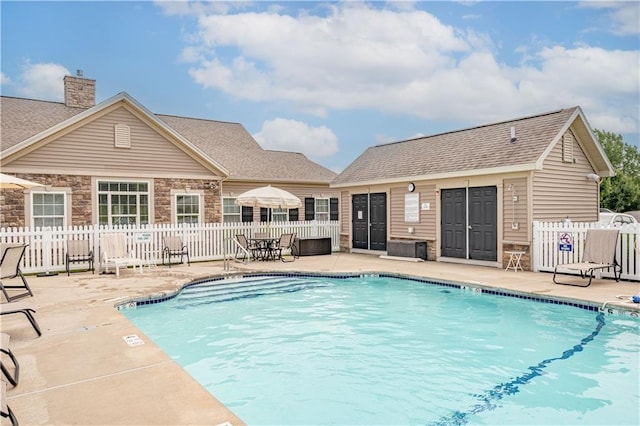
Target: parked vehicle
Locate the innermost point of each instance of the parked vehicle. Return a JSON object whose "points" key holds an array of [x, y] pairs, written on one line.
{"points": [[616, 219]]}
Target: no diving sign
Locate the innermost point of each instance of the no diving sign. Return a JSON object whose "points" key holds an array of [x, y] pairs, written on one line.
{"points": [[566, 242]]}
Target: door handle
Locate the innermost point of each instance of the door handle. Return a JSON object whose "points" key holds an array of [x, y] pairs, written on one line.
{"points": [[470, 227]]}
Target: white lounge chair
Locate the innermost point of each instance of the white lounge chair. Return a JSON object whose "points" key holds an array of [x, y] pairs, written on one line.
{"points": [[599, 253], [21, 307], [12, 378], [114, 252]]}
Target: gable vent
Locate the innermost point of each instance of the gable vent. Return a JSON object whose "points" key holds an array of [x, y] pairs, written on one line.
{"points": [[122, 136], [567, 148]]}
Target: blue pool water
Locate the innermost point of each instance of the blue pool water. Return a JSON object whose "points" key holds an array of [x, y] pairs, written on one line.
{"points": [[384, 350]]}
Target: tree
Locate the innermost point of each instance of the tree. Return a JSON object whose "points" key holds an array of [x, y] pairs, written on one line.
{"points": [[621, 192]]}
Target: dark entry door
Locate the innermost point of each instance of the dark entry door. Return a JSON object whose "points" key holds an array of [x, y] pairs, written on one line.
{"points": [[378, 214], [360, 221], [454, 223], [483, 217]]}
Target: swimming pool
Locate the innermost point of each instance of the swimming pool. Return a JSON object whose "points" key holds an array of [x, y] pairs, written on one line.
{"points": [[386, 350]]}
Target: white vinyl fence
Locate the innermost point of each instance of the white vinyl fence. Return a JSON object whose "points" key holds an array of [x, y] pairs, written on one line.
{"points": [[557, 243], [47, 247]]}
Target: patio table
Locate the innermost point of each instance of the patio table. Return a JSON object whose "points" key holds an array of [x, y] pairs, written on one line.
{"points": [[266, 245]]}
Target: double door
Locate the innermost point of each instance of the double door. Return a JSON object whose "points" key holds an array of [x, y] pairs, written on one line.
{"points": [[369, 221], [469, 223]]}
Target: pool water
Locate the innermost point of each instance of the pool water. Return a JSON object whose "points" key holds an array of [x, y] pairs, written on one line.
{"points": [[384, 350]]}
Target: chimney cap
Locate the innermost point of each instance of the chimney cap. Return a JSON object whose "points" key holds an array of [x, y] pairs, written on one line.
{"points": [[79, 73]]}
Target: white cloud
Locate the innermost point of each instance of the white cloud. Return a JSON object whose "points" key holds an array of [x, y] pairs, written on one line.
{"points": [[4, 79], [624, 16], [292, 135], [42, 81], [408, 62]]}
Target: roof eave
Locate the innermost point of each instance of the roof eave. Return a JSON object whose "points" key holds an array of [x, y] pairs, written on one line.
{"points": [[436, 176]]}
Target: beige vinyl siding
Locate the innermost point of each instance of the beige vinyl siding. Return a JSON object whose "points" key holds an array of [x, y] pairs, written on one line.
{"points": [[562, 190], [515, 211], [233, 189], [345, 212], [426, 227], [90, 149]]}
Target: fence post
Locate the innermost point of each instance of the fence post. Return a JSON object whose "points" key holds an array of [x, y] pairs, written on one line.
{"points": [[535, 249]]}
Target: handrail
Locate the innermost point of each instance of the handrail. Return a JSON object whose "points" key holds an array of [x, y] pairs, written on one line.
{"points": [[238, 245]]}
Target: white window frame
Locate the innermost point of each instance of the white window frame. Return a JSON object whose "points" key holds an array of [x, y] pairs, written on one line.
{"points": [[280, 215], [174, 204], [30, 205], [228, 201], [319, 213], [109, 193]]}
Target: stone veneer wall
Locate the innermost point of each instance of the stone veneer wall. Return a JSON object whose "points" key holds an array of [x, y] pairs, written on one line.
{"points": [[12, 207]]}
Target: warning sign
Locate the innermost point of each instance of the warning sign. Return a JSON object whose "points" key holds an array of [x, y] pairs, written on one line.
{"points": [[566, 242]]}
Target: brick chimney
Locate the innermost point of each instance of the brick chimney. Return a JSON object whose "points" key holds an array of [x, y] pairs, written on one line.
{"points": [[79, 92]]}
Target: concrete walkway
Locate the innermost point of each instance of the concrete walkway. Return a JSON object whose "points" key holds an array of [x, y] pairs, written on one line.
{"points": [[82, 371]]}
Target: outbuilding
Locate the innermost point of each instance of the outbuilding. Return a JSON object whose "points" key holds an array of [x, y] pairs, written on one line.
{"points": [[472, 195]]}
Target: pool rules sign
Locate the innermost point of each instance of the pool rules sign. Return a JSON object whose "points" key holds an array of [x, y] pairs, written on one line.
{"points": [[566, 242]]}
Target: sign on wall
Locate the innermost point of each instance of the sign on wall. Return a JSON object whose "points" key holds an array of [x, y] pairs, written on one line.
{"points": [[411, 207]]}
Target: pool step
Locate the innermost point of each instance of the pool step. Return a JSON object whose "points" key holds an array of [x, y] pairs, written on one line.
{"points": [[227, 290]]}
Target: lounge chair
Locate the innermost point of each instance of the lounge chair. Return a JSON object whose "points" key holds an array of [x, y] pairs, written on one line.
{"points": [[5, 411], [114, 251], [79, 251], [599, 253], [285, 243], [10, 268], [12, 378], [21, 307], [173, 247]]}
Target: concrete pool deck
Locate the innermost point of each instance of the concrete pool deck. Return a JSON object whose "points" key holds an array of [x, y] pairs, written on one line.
{"points": [[82, 371]]}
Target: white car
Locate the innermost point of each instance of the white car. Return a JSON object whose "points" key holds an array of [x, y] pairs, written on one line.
{"points": [[616, 219]]}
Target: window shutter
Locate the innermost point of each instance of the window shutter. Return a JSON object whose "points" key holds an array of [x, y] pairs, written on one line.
{"points": [[333, 209], [293, 215], [309, 209], [122, 135], [264, 214], [247, 214]]}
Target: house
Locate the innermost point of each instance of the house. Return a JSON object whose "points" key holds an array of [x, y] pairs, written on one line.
{"points": [[473, 194], [119, 163]]}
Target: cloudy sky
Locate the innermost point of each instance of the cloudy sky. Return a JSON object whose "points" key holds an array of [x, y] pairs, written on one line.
{"points": [[329, 79]]}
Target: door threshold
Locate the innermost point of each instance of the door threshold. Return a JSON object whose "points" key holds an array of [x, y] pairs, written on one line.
{"points": [[489, 263], [365, 251]]}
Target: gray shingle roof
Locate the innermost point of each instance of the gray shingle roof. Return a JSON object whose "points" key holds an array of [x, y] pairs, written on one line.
{"points": [[232, 146], [477, 148], [22, 118], [227, 143]]}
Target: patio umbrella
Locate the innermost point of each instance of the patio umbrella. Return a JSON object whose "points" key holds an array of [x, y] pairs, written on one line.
{"points": [[8, 181], [268, 197]]}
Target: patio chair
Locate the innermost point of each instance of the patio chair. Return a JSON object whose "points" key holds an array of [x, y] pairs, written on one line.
{"points": [[173, 247], [12, 378], [599, 253], [10, 268], [5, 411], [285, 243], [244, 246], [114, 251], [79, 251], [21, 307]]}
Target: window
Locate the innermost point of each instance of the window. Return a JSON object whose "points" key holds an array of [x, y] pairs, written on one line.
{"points": [[187, 208], [280, 215], [322, 209], [231, 212], [123, 203], [48, 209]]}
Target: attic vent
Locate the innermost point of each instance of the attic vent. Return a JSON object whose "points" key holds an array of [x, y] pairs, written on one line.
{"points": [[567, 148], [122, 136]]}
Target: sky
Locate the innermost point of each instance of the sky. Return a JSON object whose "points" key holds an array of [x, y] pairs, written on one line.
{"points": [[330, 79]]}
